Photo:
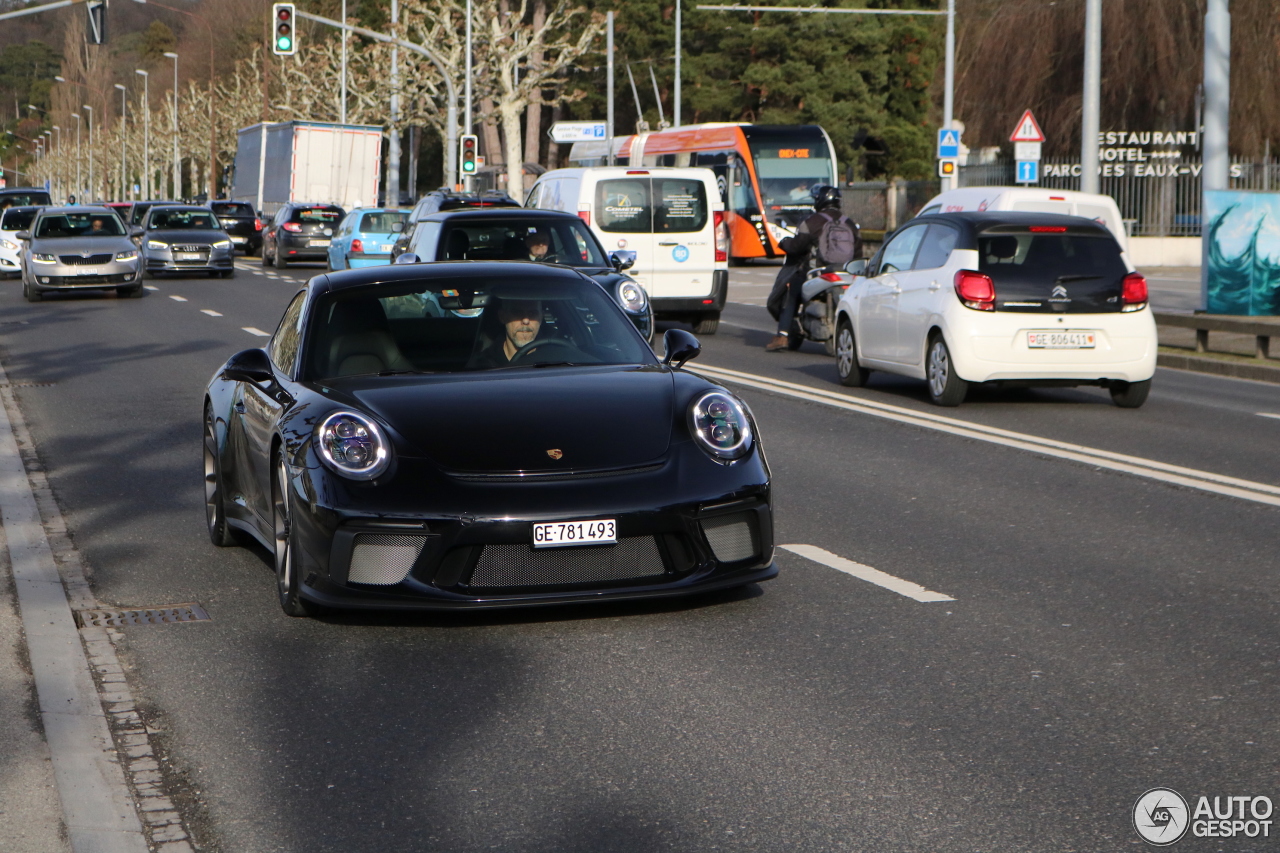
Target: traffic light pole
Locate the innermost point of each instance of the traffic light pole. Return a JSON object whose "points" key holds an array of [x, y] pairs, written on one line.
{"points": [[451, 92]]}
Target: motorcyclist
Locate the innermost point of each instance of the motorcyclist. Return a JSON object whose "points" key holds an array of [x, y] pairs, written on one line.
{"points": [[785, 296]]}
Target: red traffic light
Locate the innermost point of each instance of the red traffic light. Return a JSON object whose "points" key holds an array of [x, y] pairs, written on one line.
{"points": [[284, 14]]}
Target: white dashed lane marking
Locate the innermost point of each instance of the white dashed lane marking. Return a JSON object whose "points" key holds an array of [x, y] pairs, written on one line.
{"points": [[866, 573], [254, 331], [1268, 415], [150, 287], [210, 312], [178, 298]]}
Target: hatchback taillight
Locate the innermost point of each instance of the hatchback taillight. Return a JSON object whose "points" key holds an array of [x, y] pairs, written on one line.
{"points": [[257, 224], [292, 226], [722, 236], [976, 291], [357, 245], [1134, 294]]}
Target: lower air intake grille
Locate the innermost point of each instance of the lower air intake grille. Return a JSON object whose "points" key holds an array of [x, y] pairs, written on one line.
{"points": [[732, 537], [383, 560], [520, 565]]}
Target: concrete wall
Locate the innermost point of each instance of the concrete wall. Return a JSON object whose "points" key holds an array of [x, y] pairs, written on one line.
{"points": [[1164, 251]]}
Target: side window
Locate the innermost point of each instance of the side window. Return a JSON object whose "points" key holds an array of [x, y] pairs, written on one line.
{"points": [[283, 348], [936, 247], [900, 252], [426, 235], [534, 195]]}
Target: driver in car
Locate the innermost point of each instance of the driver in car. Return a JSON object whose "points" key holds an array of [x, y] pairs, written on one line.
{"points": [[539, 246], [97, 226], [521, 320]]}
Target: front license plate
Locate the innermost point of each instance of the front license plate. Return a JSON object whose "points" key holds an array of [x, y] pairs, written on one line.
{"points": [[557, 534], [187, 256], [1062, 340], [318, 243]]}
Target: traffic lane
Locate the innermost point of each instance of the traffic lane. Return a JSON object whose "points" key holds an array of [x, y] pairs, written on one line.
{"points": [[822, 713], [1194, 420]]}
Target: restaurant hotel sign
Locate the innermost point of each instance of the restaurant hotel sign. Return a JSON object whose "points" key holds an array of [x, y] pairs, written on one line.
{"points": [[1142, 154]]}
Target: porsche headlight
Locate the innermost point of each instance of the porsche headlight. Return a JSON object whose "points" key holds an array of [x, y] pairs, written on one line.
{"points": [[156, 244], [222, 244], [6, 244], [720, 424], [631, 296], [127, 256], [352, 445], [41, 258]]}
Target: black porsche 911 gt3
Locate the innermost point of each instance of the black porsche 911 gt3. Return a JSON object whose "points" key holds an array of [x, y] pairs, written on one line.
{"points": [[479, 435]]}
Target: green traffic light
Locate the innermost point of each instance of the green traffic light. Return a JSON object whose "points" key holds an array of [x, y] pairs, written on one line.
{"points": [[284, 43]]}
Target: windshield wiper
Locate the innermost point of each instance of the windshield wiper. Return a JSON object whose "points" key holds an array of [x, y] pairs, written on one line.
{"points": [[1063, 278], [401, 371], [557, 364]]}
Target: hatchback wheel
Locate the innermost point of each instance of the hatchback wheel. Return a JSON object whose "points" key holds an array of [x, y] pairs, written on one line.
{"points": [[851, 373], [1130, 395], [281, 263], [945, 387]]}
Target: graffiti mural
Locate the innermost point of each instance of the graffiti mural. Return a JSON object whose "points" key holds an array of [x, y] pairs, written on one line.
{"points": [[1243, 253]]}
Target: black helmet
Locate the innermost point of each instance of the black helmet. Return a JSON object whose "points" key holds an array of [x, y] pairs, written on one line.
{"points": [[825, 196]]}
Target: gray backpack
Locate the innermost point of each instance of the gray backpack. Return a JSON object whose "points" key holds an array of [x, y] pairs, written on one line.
{"points": [[838, 242]]}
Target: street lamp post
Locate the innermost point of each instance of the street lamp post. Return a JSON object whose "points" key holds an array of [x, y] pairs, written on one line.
{"points": [[79, 188], [146, 130], [57, 178], [124, 193], [177, 161], [92, 185]]}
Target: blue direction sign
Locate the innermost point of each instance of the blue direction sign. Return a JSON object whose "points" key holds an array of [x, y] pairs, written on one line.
{"points": [[1028, 171], [948, 143]]}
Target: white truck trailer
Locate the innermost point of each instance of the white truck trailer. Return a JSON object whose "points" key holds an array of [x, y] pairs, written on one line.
{"points": [[307, 161]]}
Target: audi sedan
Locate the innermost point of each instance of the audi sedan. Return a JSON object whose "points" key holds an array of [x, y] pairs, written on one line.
{"points": [[480, 435], [78, 248], [186, 239]]}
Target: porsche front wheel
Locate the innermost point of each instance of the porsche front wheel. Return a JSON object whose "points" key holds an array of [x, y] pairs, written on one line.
{"points": [[287, 582], [215, 515]]}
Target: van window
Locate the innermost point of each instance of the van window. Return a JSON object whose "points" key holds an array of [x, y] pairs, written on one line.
{"points": [[1044, 207], [1096, 212], [645, 205]]}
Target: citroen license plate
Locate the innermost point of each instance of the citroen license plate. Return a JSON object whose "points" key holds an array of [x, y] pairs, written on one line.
{"points": [[557, 534], [1061, 340]]}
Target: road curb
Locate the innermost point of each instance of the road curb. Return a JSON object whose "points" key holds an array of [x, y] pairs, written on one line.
{"points": [[1219, 367]]}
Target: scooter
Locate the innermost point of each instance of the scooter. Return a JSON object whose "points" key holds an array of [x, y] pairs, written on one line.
{"points": [[815, 318]]}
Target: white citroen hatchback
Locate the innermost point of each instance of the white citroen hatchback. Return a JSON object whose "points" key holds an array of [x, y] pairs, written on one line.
{"points": [[1000, 297]]}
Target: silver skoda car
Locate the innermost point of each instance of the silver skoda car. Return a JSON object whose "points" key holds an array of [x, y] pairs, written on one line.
{"points": [[78, 248]]}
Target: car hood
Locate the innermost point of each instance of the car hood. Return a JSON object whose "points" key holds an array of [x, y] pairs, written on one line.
{"points": [[511, 420], [186, 235], [76, 245]]}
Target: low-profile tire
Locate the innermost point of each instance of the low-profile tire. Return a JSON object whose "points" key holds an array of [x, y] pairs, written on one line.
{"points": [[279, 260], [30, 293], [706, 324], [134, 292], [852, 374], [795, 337], [288, 582], [946, 388], [1130, 395], [215, 516], [830, 343]]}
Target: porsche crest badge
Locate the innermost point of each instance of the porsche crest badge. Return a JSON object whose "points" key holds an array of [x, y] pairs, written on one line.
{"points": [[555, 453]]}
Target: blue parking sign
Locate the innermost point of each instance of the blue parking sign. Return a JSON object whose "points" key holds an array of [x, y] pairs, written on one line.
{"points": [[948, 143], [1028, 171]]}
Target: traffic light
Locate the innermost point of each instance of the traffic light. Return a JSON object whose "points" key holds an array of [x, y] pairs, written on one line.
{"points": [[284, 42], [947, 167], [97, 30], [469, 141]]}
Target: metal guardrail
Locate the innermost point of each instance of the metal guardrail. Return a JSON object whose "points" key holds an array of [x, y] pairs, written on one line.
{"points": [[1262, 328]]}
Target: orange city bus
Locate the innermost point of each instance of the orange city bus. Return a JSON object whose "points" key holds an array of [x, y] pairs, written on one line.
{"points": [[764, 172]]}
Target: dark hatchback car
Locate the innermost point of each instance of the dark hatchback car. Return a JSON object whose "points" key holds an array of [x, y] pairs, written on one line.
{"points": [[24, 196], [458, 436], [442, 200], [547, 236], [242, 224], [300, 232]]}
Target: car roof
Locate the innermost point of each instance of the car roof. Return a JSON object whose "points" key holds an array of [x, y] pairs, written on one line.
{"points": [[483, 213], [973, 223], [354, 279], [78, 208]]}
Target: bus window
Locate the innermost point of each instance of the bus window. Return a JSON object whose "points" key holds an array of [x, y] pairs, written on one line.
{"points": [[623, 206]]}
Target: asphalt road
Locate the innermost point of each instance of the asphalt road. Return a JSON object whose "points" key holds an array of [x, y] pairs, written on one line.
{"points": [[1108, 633]]}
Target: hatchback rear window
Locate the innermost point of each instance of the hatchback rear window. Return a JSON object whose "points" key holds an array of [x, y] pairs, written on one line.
{"points": [[327, 215], [24, 198], [17, 220], [232, 208], [1050, 257], [642, 205], [381, 222]]}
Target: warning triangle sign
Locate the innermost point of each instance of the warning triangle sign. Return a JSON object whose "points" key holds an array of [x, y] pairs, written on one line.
{"points": [[1027, 130]]}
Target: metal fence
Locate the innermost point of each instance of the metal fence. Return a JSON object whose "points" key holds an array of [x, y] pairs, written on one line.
{"points": [[884, 205], [1162, 200]]}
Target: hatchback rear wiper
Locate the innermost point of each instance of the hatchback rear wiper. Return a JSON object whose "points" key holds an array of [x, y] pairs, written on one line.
{"points": [[1063, 278]]}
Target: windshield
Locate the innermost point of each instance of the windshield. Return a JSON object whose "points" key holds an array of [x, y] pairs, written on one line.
{"points": [[450, 326], [17, 219], [183, 220], [555, 241], [79, 225], [787, 173], [381, 221]]}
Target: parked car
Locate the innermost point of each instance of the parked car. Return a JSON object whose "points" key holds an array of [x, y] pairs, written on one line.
{"points": [[1002, 298], [77, 248], [502, 234], [241, 223], [673, 219], [390, 454], [13, 220], [445, 199], [364, 238], [300, 232], [186, 239], [24, 196]]}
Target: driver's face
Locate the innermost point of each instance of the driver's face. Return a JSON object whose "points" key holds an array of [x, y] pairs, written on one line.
{"points": [[522, 318], [97, 225]]}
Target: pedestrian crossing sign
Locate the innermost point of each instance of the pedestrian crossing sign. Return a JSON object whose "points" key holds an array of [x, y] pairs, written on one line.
{"points": [[948, 143]]}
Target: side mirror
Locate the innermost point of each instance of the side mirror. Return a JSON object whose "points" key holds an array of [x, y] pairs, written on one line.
{"points": [[407, 258], [251, 365], [397, 227], [680, 346], [23, 235], [622, 259], [137, 231], [858, 266]]}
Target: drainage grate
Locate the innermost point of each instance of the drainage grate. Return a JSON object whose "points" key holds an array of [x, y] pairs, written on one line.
{"points": [[153, 616]]}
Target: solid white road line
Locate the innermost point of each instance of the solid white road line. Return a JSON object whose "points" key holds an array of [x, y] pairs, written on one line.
{"points": [[150, 287], [253, 331], [210, 312], [866, 573], [1176, 474], [178, 298], [1268, 415]]}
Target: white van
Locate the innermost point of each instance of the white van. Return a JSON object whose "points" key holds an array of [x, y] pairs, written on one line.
{"points": [[1100, 208], [673, 219]]}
